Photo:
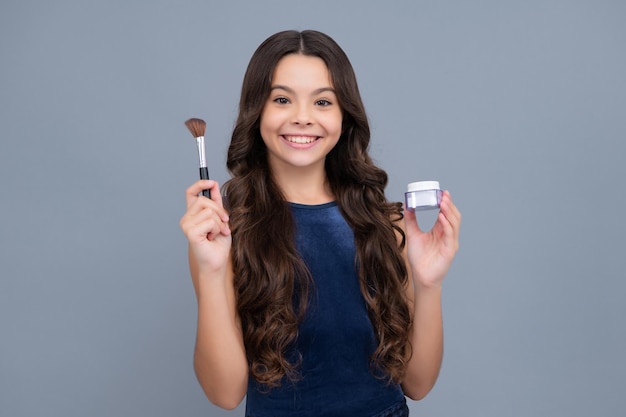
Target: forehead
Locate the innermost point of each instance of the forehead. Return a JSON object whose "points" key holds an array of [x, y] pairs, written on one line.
{"points": [[301, 70]]}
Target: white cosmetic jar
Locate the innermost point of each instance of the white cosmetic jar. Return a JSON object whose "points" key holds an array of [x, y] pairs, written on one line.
{"points": [[422, 195]]}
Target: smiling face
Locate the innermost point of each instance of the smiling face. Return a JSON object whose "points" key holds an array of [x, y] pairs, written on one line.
{"points": [[301, 120]]}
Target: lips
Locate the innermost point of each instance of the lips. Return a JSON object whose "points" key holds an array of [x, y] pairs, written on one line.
{"points": [[302, 140]]}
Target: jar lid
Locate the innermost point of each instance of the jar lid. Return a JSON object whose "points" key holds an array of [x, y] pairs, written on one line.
{"points": [[422, 186]]}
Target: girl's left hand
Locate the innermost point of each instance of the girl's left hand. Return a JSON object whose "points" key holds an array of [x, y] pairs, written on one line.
{"points": [[431, 253]]}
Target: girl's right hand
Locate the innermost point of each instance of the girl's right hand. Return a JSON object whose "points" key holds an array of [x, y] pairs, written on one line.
{"points": [[205, 224]]}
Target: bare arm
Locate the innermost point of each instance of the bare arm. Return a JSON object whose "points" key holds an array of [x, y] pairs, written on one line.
{"points": [[426, 337], [219, 359], [429, 256]]}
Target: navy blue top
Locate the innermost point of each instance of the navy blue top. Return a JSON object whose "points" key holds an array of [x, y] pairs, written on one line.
{"points": [[336, 338]]}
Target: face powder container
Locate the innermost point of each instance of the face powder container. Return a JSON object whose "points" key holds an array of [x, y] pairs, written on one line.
{"points": [[422, 195]]}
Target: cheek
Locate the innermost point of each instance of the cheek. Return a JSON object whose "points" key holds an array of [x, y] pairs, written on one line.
{"points": [[335, 124], [269, 122], [264, 126]]}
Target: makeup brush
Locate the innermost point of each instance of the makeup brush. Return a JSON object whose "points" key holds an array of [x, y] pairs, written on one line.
{"points": [[197, 128]]}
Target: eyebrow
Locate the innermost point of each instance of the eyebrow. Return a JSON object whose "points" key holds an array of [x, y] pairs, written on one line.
{"points": [[290, 90]]}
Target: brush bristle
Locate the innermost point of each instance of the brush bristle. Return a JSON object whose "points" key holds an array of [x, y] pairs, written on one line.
{"points": [[197, 127]]}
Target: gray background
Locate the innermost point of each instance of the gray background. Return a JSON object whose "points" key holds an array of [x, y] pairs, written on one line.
{"points": [[518, 108]]}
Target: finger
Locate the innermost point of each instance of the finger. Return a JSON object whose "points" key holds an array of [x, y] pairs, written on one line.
{"points": [[202, 210], [449, 222], [193, 197], [410, 223], [453, 208], [192, 193], [208, 211], [211, 228], [206, 224], [450, 211], [216, 195], [446, 226]]}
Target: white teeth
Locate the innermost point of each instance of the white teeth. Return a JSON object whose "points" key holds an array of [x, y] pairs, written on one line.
{"points": [[300, 139]]}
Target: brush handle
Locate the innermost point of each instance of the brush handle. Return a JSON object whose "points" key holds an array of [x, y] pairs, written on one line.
{"points": [[204, 175]]}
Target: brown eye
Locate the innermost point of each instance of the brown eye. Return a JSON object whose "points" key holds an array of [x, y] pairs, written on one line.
{"points": [[281, 100]]}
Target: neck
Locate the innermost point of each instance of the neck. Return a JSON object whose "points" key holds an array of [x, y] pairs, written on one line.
{"points": [[303, 185]]}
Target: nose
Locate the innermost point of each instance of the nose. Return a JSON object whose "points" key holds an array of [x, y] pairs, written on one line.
{"points": [[302, 115]]}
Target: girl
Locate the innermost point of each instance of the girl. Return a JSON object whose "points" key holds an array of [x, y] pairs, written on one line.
{"points": [[316, 296]]}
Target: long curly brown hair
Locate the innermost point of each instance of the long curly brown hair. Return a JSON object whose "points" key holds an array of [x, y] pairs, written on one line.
{"points": [[272, 282]]}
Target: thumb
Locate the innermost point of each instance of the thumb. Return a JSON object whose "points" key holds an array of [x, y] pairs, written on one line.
{"points": [[411, 224]]}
